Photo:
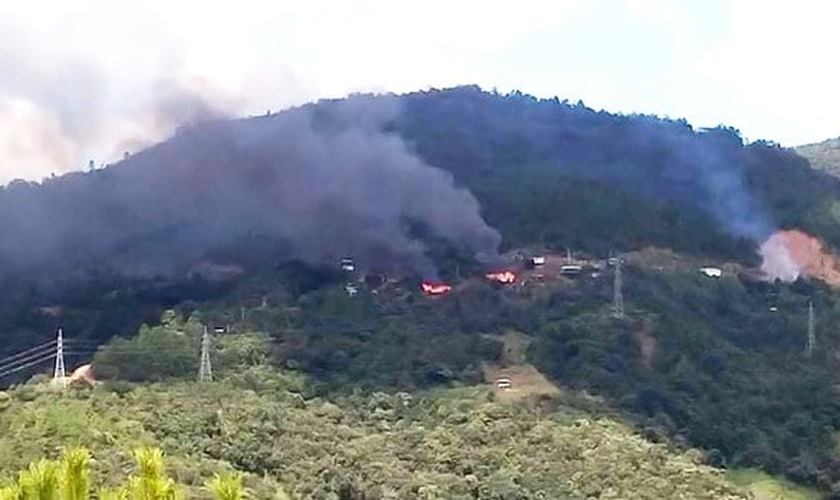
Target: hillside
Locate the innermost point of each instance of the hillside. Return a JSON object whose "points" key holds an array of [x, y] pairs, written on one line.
{"points": [[242, 225], [178, 222], [823, 156], [453, 444]]}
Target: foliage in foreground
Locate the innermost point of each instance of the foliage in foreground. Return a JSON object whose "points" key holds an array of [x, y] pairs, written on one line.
{"points": [[455, 444], [69, 479]]}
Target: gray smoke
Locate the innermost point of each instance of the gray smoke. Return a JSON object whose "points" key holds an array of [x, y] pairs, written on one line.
{"points": [[718, 163], [325, 179], [777, 262]]}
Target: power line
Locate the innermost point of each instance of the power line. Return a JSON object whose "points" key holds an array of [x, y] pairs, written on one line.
{"points": [[26, 359], [27, 365], [32, 349]]}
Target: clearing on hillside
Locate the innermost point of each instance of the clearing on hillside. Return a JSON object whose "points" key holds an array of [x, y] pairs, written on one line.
{"points": [[516, 379]]}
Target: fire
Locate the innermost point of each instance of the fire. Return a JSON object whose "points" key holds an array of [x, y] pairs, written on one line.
{"points": [[506, 277], [435, 288]]}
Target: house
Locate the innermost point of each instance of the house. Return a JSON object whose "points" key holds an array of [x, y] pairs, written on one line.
{"points": [[503, 383], [348, 265], [536, 261], [571, 270]]}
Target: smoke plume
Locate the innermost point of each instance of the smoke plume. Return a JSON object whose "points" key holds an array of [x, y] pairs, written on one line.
{"points": [[777, 262], [713, 161], [121, 87], [323, 178]]}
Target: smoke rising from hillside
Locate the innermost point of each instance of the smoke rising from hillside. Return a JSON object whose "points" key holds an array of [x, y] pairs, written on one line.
{"points": [[323, 179], [777, 263], [716, 158]]}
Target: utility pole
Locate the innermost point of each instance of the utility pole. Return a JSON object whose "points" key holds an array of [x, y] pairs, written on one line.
{"points": [[205, 370], [812, 340], [60, 373], [618, 297]]}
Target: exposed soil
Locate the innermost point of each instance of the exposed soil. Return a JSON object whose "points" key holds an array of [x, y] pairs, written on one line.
{"points": [[811, 255], [526, 380], [647, 344], [665, 260]]}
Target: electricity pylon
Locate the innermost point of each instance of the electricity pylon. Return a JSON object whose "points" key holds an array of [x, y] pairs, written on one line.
{"points": [[618, 296], [205, 370], [60, 372], [812, 336]]}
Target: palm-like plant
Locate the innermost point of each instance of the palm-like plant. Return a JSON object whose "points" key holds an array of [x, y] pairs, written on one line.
{"points": [[69, 479], [227, 487], [151, 482], [11, 492], [75, 474], [40, 481]]}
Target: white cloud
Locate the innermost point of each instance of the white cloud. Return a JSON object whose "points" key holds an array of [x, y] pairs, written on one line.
{"points": [[91, 69], [775, 70]]}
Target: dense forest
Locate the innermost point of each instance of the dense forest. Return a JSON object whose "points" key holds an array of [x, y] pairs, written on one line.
{"points": [[694, 362], [267, 431]]}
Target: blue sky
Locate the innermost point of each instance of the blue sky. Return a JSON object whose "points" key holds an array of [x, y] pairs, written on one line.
{"points": [[90, 78]]}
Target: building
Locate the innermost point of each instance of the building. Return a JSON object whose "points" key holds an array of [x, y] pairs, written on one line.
{"points": [[711, 272], [503, 383]]}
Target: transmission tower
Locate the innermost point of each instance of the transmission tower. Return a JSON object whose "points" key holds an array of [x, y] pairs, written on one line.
{"points": [[205, 370], [60, 373], [618, 297], [812, 339]]}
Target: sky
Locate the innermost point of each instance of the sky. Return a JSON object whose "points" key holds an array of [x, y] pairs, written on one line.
{"points": [[91, 79]]}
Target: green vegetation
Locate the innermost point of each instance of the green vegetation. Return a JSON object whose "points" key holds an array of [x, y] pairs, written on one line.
{"points": [[713, 381], [314, 401], [69, 479], [260, 422], [765, 487], [823, 155]]}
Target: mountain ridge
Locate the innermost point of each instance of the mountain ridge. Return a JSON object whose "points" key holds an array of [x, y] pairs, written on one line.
{"points": [[718, 363]]}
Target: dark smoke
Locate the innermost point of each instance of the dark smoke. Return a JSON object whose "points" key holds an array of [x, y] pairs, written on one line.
{"points": [[324, 179]]}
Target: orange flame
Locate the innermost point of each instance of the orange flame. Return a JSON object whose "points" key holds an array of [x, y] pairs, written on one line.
{"points": [[433, 288], [506, 277]]}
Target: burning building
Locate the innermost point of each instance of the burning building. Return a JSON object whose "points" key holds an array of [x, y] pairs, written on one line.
{"points": [[504, 277], [435, 288]]}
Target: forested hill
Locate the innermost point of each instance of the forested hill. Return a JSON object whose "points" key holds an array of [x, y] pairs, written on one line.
{"points": [[243, 223], [320, 181], [614, 180]]}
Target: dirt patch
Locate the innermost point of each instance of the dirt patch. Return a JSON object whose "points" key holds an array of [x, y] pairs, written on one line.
{"points": [[525, 381], [811, 255], [665, 260], [647, 344]]}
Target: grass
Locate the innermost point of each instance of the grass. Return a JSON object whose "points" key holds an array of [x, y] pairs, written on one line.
{"points": [[766, 487]]}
